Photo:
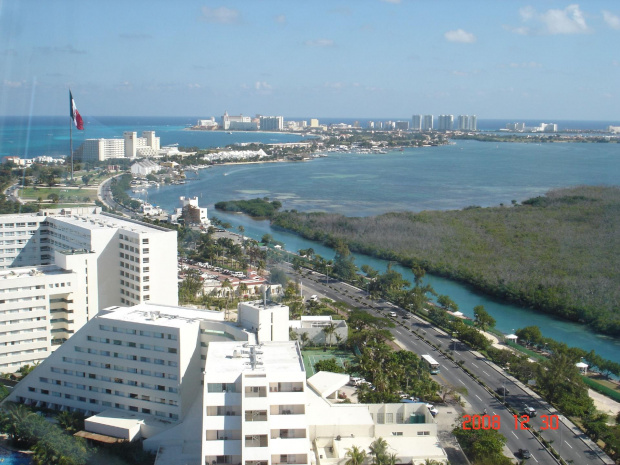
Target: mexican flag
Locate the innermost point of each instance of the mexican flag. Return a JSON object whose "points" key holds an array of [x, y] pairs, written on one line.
{"points": [[75, 115]]}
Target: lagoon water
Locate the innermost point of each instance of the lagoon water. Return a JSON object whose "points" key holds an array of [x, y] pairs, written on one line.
{"points": [[448, 177]]}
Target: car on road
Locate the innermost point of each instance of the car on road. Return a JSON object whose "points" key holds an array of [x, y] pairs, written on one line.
{"points": [[502, 391], [313, 298], [392, 314], [524, 454], [529, 411]]}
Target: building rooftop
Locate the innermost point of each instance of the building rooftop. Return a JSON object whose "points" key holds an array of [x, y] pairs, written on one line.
{"points": [[275, 357], [160, 315], [96, 221], [27, 272]]}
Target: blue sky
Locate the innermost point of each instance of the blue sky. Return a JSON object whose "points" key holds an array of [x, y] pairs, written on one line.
{"points": [[365, 58]]}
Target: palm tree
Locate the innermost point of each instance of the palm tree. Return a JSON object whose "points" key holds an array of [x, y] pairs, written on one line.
{"points": [[304, 339], [356, 456], [391, 459], [328, 330], [378, 450]]}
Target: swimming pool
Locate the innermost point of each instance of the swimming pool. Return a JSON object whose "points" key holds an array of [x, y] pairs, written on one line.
{"points": [[8, 457]]}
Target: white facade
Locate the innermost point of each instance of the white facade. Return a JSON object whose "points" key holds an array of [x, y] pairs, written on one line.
{"points": [[144, 168], [445, 122], [40, 308], [314, 327], [239, 123], [467, 123], [271, 123], [124, 252], [101, 149], [269, 322], [427, 123], [254, 404], [416, 122]]}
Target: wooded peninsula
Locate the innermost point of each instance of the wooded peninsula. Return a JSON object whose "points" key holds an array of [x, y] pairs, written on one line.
{"points": [[559, 253]]}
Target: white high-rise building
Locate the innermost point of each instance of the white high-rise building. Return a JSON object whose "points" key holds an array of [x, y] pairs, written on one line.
{"points": [[271, 123], [239, 123], [100, 149], [445, 122], [201, 390], [106, 260], [427, 123], [130, 146], [41, 307], [416, 122], [467, 123]]}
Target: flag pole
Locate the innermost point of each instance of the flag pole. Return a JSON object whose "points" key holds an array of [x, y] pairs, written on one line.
{"points": [[71, 132], [71, 146]]}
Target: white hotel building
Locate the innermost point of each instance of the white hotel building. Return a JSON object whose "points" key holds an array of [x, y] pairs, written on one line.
{"points": [[202, 391], [60, 267]]}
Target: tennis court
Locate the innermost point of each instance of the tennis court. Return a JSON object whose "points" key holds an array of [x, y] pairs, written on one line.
{"points": [[313, 356]]}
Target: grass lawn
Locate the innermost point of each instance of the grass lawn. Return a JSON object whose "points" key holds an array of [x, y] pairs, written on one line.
{"points": [[65, 194], [312, 356]]}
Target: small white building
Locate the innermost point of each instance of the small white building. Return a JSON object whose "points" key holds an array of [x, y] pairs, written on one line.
{"points": [[314, 327], [143, 168]]}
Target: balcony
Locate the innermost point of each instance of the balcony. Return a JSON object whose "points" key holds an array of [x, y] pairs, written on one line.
{"points": [[256, 441]]}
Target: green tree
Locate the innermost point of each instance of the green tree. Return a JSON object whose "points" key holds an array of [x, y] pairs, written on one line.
{"points": [[482, 446], [530, 334], [356, 456], [378, 450], [483, 319], [53, 197], [329, 364], [278, 276], [447, 303]]}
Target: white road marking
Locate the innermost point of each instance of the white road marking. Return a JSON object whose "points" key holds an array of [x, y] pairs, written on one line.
{"points": [[478, 397], [494, 413], [513, 433], [531, 455], [442, 366], [485, 373], [568, 444], [473, 364], [461, 382]]}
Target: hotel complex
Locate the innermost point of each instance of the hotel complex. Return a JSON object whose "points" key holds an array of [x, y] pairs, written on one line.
{"points": [[200, 390], [58, 268]]}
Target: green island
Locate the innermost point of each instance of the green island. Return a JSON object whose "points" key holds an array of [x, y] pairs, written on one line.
{"points": [[256, 208], [559, 252]]}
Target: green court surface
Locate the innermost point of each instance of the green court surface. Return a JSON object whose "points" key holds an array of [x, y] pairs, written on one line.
{"points": [[312, 356]]}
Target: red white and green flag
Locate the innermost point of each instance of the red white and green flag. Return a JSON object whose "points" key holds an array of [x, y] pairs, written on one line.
{"points": [[75, 115]]}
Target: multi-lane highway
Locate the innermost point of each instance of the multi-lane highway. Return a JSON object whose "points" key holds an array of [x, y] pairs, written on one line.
{"points": [[415, 334]]}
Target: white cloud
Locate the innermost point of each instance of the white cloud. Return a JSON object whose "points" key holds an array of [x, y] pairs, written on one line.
{"points": [[570, 20], [391, 1], [528, 64], [334, 85], [220, 15], [194, 86], [320, 43], [258, 85], [461, 36], [281, 19], [611, 19], [13, 84]]}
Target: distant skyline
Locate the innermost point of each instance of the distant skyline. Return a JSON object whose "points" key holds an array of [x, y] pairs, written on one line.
{"points": [[545, 60]]}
